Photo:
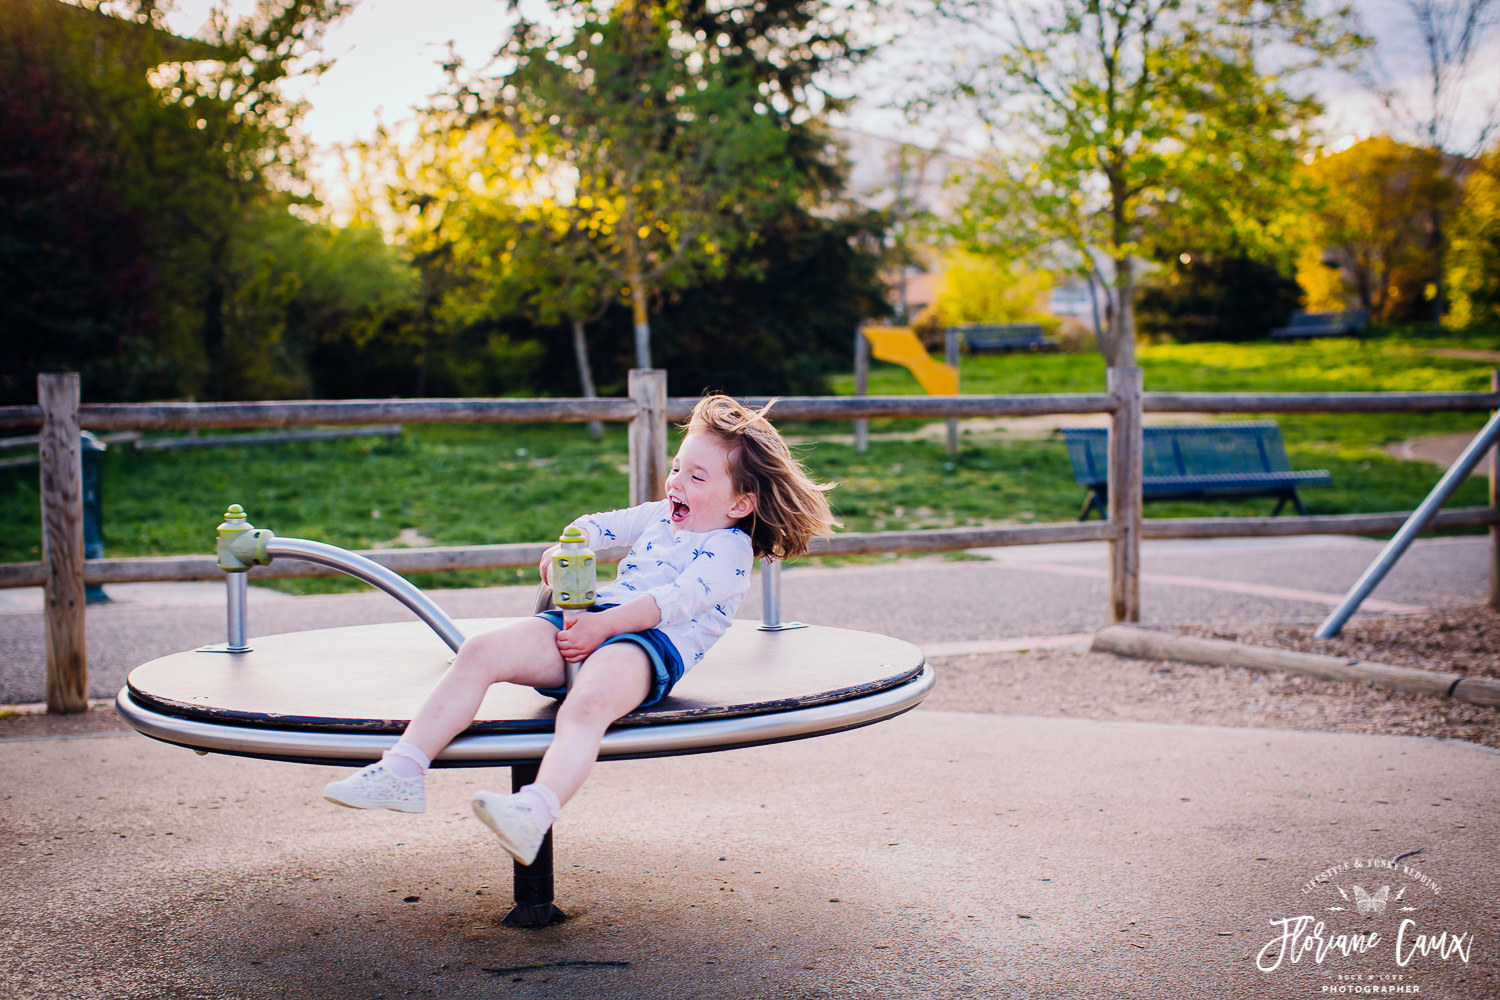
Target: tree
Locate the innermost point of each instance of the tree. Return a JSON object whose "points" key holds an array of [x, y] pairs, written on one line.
{"points": [[133, 166], [1113, 123], [557, 279], [986, 289], [664, 158], [1455, 112], [1474, 269], [1370, 233]]}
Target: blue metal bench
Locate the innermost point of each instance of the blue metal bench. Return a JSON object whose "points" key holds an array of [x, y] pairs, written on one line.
{"points": [[1348, 323], [980, 337], [1196, 462]]}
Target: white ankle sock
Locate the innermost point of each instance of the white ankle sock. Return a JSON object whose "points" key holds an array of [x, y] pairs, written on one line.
{"points": [[543, 799], [406, 761]]}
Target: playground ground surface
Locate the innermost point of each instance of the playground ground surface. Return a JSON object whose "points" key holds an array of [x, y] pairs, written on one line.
{"points": [[1050, 823]]}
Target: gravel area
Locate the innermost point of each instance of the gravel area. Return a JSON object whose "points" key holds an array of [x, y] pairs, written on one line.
{"points": [[1110, 687], [1463, 640]]}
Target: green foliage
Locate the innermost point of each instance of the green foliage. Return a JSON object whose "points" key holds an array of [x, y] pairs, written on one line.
{"points": [[1118, 124], [990, 289], [519, 224], [661, 156], [1377, 223], [1215, 297], [1474, 261], [138, 174]]}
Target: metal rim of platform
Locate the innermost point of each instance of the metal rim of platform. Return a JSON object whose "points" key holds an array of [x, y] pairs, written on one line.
{"points": [[506, 749]]}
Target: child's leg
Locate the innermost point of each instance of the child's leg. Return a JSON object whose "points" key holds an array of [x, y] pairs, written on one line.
{"points": [[612, 682], [523, 652]]}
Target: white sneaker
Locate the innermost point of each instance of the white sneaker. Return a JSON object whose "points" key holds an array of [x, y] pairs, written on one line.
{"points": [[520, 826], [374, 787]]}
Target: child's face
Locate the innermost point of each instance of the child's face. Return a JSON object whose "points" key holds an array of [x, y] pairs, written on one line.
{"points": [[702, 494]]}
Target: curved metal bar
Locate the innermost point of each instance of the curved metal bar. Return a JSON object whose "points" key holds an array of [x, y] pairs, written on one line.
{"points": [[375, 575], [498, 750]]}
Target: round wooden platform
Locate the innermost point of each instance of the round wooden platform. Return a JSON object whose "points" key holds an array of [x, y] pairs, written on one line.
{"points": [[342, 695]]}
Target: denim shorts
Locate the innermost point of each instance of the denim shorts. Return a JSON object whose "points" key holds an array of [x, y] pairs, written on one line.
{"points": [[666, 663]]}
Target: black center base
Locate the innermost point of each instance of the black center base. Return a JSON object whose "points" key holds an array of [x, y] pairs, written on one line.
{"points": [[540, 915]]}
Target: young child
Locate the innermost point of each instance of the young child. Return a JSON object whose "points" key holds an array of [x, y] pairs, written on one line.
{"points": [[734, 492]]}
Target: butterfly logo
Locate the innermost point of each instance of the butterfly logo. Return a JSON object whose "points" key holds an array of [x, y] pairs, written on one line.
{"points": [[631, 565], [1371, 903], [702, 552], [739, 572]]}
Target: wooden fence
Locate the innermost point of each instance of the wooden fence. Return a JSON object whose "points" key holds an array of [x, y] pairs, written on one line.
{"points": [[63, 571]]}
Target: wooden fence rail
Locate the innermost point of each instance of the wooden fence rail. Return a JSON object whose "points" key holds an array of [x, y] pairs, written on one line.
{"points": [[205, 416], [648, 410]]}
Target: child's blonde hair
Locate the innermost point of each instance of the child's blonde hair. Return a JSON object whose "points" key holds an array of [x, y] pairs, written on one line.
{"points": [[790, 509]]}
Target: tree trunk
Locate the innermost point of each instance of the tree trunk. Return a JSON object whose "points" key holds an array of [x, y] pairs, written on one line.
{"points": [[1124, 333], [585, 374], [215, 337], [642, 324], [1440, 261]]}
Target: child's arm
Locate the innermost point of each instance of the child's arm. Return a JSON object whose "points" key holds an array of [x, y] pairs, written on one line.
{"points": [[582, 634]]}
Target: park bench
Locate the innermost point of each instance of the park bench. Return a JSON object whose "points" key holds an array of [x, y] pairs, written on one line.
{"points": [[1195, 462], [1348, 323], [981, 337]]}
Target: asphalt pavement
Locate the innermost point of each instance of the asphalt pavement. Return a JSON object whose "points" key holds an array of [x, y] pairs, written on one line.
{"points": [[939, 854]]}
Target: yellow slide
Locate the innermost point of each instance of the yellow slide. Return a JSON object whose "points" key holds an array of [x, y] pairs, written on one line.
{"points": [[898, 345]]}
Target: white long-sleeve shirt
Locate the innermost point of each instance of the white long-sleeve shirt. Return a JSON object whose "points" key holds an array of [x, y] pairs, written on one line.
{"points": [[697, 578]]}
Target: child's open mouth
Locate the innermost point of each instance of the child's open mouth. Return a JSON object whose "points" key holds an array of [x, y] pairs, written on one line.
{"points": [[679, 510]]}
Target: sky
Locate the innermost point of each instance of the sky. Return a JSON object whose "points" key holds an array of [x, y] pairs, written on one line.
{"points": [[388, 54]]}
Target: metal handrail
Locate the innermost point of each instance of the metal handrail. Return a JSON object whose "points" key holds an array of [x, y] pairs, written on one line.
{"points": [[375, 575]]}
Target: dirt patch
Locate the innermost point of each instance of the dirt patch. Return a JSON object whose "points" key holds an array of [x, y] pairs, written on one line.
{"points": [[1463, 640], [1107, 687]]}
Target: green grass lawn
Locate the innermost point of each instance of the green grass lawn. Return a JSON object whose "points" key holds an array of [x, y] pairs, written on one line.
{"points": [[511, 483]]}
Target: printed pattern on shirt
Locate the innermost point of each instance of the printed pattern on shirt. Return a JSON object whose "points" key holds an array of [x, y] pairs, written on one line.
{"points": [[697, 579]]}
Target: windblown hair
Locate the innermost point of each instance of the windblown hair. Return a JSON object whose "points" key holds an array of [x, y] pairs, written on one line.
{"points": [[790, 509]]}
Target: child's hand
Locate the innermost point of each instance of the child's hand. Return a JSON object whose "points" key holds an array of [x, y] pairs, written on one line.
{"points": [[581, 634], [545, 566]]}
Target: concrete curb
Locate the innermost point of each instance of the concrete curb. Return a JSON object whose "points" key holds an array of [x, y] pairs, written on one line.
{"points": [[1132, 641]]}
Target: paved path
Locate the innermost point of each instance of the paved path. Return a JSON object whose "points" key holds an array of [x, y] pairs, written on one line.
{"points": [[1041, 590], [1440, 449], [938, 855]]}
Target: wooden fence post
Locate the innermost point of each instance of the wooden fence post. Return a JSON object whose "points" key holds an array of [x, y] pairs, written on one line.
{"points": [[1125, 456], [1494, 502], [861, 388], [950, 355], [648, 435], [62, 542]]}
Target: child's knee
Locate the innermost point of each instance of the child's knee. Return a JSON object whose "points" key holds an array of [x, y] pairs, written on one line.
{"points": [[485, 654]]}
